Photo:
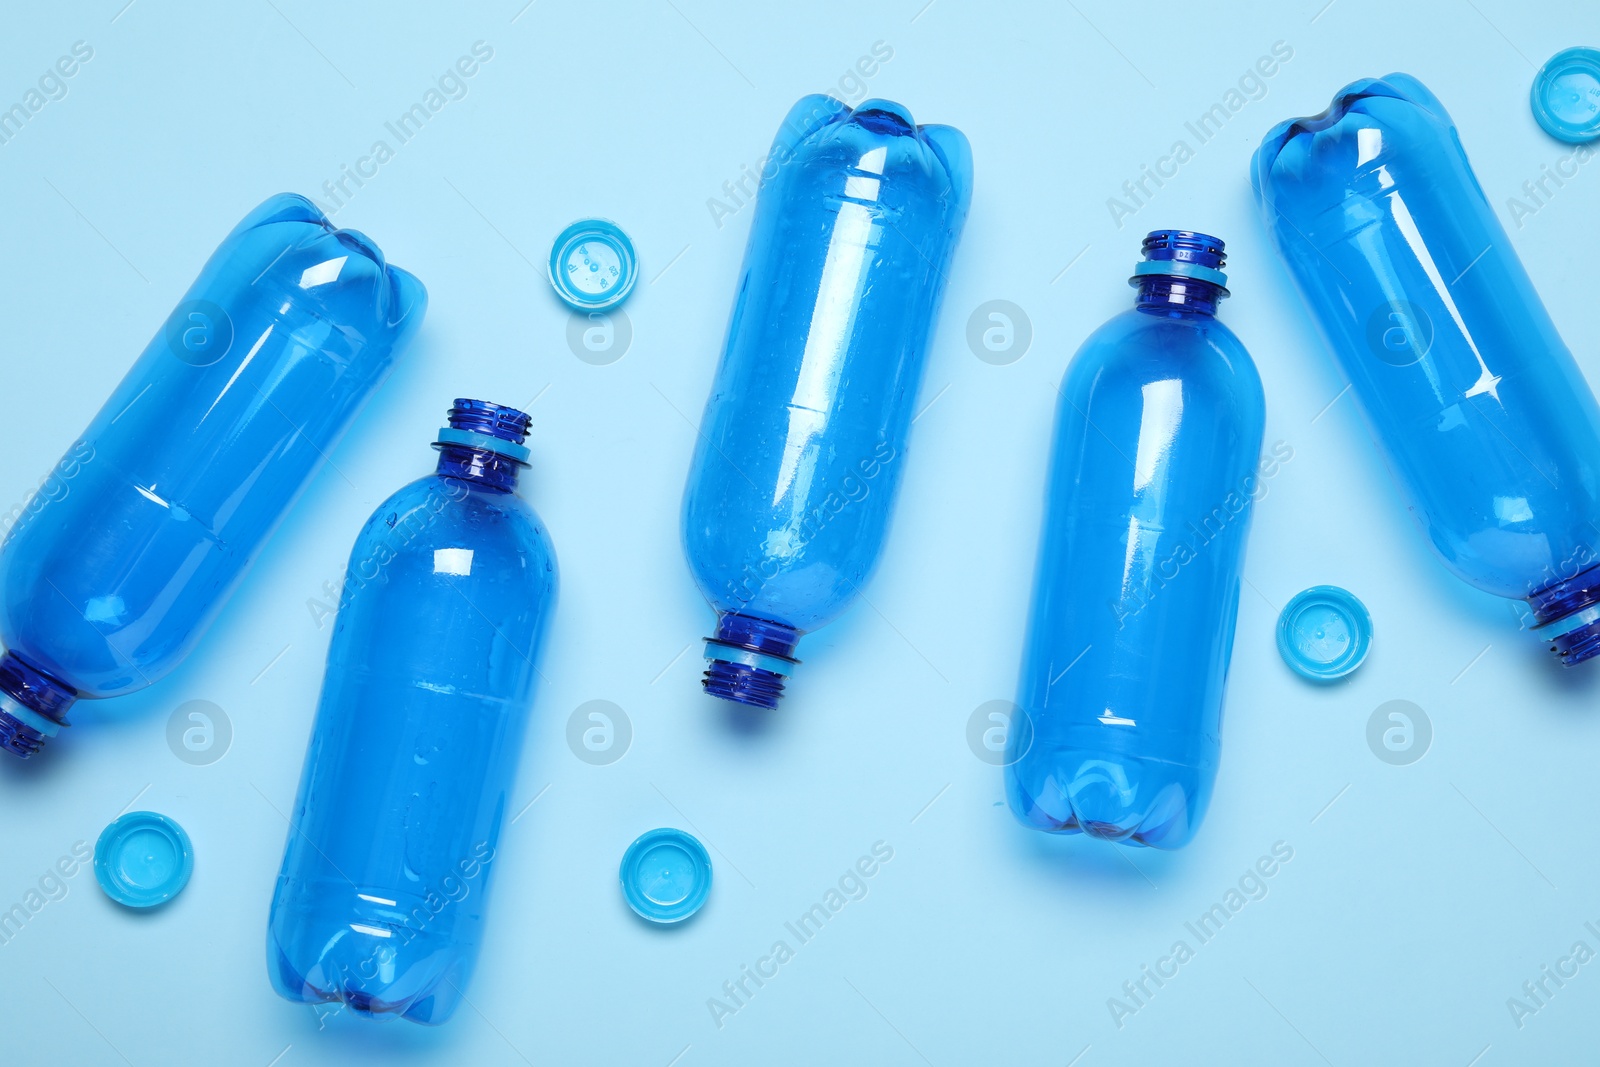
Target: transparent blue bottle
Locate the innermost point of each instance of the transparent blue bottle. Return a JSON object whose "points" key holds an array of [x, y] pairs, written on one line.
{"points": [[1154, 470], [380, 901], [1482, 414], [138, 536], [804, 435]]}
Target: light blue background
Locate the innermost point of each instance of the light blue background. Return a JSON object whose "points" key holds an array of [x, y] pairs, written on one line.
{"points": [[1419, 897]]}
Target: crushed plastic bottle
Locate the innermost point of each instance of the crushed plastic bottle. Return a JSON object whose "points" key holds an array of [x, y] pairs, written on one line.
{"points": [[803, 440], [1481, 411], [119, 564]]}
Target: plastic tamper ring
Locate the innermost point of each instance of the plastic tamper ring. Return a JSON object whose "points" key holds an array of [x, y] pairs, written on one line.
{"points": [[143, 859], [1324, 633], [666, 875]]}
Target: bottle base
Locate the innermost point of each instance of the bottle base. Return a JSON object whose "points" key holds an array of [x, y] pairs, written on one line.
{"points": [[749, 658], [425, 993], [1124, 801]]}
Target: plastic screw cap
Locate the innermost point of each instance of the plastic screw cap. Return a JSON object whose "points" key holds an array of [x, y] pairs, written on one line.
{"points": [[1324, 633], [1566, 95], [143, 859], [592, 265], [666, 875]]}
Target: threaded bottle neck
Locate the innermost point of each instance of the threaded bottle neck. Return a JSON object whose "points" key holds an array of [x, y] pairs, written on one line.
{"points": [[749, 658], [483, 444], [33, 706], [1567, 615], [492, 420], [1180, 274]]}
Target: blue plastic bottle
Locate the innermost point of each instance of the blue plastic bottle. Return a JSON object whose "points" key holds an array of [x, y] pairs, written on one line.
{"points": [[1482, 414], [115, 568], [431, 669], [804, 436], [1153, 473]]}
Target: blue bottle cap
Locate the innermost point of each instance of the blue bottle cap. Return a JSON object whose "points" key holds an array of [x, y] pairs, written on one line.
{"points": [[1324, 633], [1566, 95], [143, 859], [592, 265], [666, 875]]}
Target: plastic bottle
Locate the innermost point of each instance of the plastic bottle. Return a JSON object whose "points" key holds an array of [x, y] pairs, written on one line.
{"points": [[1153, 474], [1482, 414], [116, 566], [804, 435], [431, 669]]}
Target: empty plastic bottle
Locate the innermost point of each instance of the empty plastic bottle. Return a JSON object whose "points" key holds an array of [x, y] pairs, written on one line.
{"points": [[804, 436], [1481, 412], [431, 669], [132, 544], [1153, 473]]}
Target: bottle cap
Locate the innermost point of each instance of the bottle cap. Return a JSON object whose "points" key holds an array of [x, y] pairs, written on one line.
{"points": [[1566, 95], [1324, 633], [592, 265], [666, 875], [143, 859]]}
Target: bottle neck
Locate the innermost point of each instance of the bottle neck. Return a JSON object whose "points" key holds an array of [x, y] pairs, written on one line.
{"points": [[1175, 297], [478, 466], [33, 706]]}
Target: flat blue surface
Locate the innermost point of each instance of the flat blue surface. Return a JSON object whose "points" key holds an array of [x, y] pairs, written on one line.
{"points": [[1419, 895]]}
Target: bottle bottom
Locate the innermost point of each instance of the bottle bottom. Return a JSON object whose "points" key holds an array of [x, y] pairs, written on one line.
{"points": [[748, 660], [419, 981], [1123, 800]]}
